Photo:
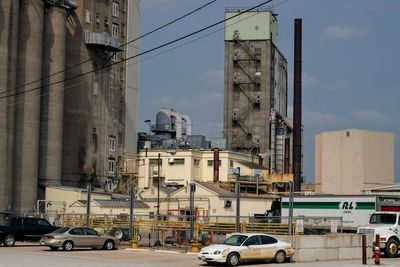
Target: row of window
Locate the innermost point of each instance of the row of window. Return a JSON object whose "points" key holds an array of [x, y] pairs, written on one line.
{"points": [[196, 162], [179, 161], [114, 26]]}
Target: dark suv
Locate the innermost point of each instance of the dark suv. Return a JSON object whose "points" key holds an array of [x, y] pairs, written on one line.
{"points": [[24, 229]]}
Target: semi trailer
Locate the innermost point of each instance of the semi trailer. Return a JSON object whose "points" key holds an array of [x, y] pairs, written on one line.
{"points": [[322, 212]]}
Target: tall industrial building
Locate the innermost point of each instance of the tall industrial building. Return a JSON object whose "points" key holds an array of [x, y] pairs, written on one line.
{"points": [[64, 95], [349, 161], [255, 93]]}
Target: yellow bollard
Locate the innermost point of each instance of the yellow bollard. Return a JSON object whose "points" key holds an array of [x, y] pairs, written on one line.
{"points": [[134, 243], [194, 246]]}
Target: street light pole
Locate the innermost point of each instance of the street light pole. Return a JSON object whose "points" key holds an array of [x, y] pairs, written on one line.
{"points": [[158, 199]]}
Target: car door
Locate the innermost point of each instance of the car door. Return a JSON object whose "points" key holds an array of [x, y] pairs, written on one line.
{"points": [[268, 247], [93, 239], [252, 249], [30, 229], [77, 236], [43, 227]]}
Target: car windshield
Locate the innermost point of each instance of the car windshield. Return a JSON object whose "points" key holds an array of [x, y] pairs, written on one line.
{"points": [[383, 219], [235, 240], [61, 230]]}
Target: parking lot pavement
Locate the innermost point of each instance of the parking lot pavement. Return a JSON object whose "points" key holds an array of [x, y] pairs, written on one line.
{"points": [[37, 256]]}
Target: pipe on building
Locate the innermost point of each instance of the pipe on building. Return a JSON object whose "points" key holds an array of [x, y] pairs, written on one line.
{"points": [[52, 104], [8, 58], [27, 110], [216, 166], [178, 121], [189, 124]]}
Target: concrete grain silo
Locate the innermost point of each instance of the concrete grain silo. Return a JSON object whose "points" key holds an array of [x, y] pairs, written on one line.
{"points": [[8, 59], [52, 100], [27, 113]]}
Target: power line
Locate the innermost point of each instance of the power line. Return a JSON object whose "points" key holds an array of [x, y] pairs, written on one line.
{"points": [[155, 55], [142, 53], [122, 45]]}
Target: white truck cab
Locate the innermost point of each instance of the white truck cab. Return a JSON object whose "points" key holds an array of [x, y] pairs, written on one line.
{"points": [[387, 226]]}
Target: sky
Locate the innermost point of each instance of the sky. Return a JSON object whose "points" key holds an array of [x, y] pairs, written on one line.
{"points": [[351, 60]]}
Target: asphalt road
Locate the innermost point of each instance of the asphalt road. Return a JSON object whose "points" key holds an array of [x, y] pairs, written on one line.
{"points": [[37, 256]]}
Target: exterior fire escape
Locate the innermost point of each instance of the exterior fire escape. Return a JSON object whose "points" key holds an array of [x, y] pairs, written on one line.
{"points": [[246, 81]]}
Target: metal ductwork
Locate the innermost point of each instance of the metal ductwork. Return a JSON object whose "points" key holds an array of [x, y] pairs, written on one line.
{"points": [[164, 121], [188, 121]]}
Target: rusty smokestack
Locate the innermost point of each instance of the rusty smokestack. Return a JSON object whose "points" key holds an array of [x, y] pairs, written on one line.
{"points": [[216, 165], [297, 105], [287, 156]]}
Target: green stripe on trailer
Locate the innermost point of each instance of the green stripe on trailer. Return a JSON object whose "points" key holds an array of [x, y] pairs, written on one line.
{"points": [[365, 205], [331, 205], [312, 205]]}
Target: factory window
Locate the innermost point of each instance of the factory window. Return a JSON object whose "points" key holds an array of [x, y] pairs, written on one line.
{"points": [[97, 19], [196, 162], [120, 116], [210, 163], [111, 141], [94, 142], [88, 17], [115, 30], [179, 161], [122, 30], [111, 165], [106, 23], [120, 139], [115, 9], [154, 161]]}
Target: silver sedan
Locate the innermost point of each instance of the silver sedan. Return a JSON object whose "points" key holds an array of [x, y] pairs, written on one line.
{"points": [[78, 237], [246, 247]]}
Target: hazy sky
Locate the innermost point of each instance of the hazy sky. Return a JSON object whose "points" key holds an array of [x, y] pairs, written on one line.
{"points": [[350, 65]]}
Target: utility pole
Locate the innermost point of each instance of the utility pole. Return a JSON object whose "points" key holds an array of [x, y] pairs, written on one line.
{"points": [[89, 191], [191, 200]]}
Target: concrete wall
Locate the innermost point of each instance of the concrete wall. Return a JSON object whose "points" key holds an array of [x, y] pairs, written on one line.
{"points": [[251, 25], [8, 59], [132, 77], [70, 196], [94, 106], [351, 160], [327, 247]]}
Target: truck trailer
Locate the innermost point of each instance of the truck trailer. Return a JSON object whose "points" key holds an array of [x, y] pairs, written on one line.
{"points": [[322, 212]]}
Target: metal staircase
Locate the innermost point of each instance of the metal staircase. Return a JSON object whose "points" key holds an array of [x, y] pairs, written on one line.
{"points": [[249, 86]]}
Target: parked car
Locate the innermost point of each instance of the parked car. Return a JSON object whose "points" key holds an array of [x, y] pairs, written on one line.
{"points": [[78, 237], [241, 247], [24, 229]]}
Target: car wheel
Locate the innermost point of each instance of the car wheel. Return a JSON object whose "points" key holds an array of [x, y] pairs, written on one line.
{"points": [[280, 256], [68, 245], [233, 259], [119, 234], [9, 241], [391, 248], [109, 245], [53, 248]]}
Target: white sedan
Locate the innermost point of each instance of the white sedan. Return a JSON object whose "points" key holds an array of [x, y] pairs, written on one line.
{"points": [[246, 247]]}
